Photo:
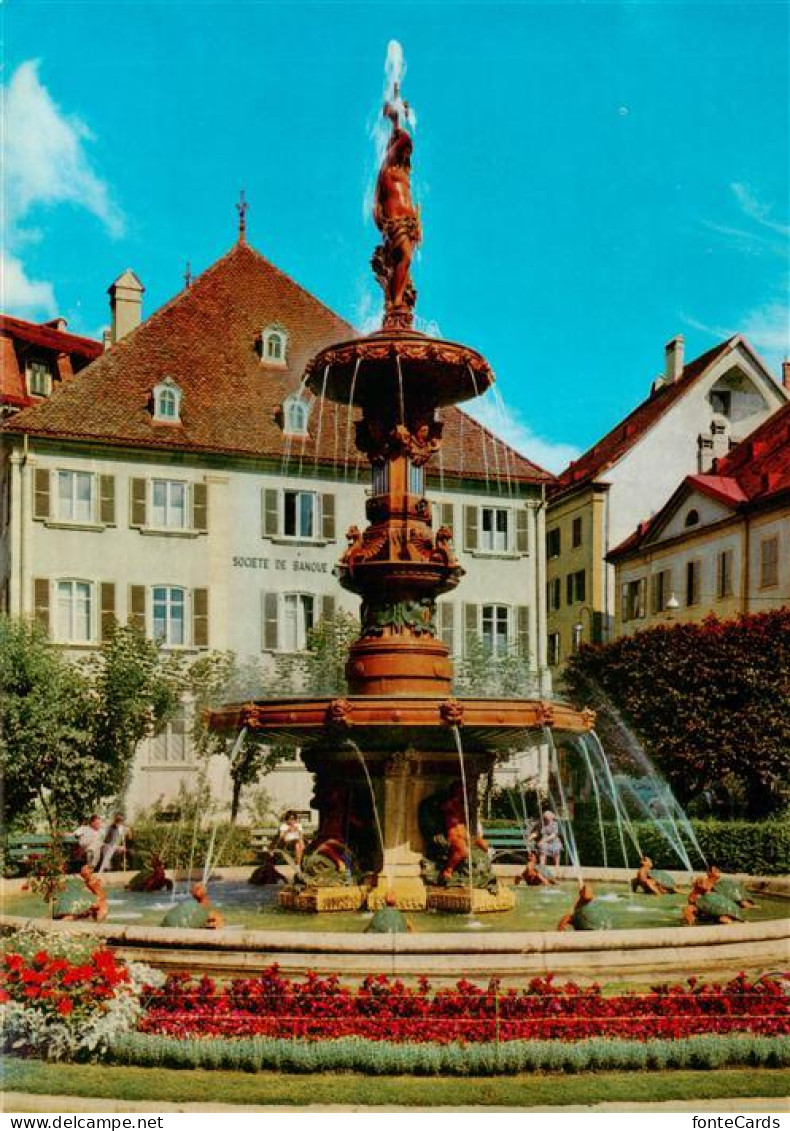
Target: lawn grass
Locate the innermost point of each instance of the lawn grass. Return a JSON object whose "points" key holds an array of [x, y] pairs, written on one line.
{"points": [[200, 1086]]}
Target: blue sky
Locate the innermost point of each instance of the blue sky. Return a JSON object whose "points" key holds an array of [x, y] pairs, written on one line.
{"points": [[594, 177]]}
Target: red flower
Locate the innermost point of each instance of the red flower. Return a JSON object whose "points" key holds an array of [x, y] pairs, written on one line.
{"points": [[65, 1006]]}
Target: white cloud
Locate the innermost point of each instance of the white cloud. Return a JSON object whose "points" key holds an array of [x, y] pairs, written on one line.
{"points": [[507, 423], [22, 295], [46, 164], [755, 209], [766, 327]]}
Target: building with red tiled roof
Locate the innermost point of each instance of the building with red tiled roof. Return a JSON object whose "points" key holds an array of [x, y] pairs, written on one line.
{"points": [[37, 359], [187, 481], [695, 413], [720, 544]]}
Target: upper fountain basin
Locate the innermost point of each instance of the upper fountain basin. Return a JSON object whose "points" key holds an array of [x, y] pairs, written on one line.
{"points": [[395, 722], [398, 365]]}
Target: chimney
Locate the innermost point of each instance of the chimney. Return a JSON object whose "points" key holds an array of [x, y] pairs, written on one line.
{"points": [[786, 375], [673, 353], [126, 304]]}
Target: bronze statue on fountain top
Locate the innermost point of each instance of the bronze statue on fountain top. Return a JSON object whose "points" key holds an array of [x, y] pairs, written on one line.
{"points": [[398, 220]]}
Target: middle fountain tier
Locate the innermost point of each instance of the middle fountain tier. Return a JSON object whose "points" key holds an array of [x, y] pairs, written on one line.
{"points": [[398, 759]]}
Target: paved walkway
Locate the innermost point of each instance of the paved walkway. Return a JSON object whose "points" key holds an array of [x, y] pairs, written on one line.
{"points": [[23, 1102]]}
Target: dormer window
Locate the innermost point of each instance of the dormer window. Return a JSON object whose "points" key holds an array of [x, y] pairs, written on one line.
{"points": [[274, 344], [296, 414], [721, 402], [692, 518], [167, 402], [39, 378]]}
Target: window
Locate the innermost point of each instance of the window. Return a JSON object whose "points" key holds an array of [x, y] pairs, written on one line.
{"points": [[381, 478], [416, 480], [167, 402], [554, 593], [494, 530], [576, 587], [39, 378], [692, 518], [721, 402], [553, 649], [576, 533], [495, 625], [769, 562], [296, 414], [661, 589], [298, 619], [74, 613], [633, 600], [75, 496], [553, 542], [273, 346], [169, 504], [168, 615], [299, 514], [724, 574], [171, 745], [693, 574]]}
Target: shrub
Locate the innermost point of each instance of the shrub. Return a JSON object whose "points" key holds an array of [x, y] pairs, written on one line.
{"points": [[175, 841], [68, 999]]}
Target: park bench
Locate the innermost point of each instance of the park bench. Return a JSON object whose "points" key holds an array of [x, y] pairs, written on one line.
{"points": [[264, 837], [22, 848], [506, 843]]}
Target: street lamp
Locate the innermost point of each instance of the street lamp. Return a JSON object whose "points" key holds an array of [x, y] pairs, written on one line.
{"points": [[578, 628], [671, 606]]}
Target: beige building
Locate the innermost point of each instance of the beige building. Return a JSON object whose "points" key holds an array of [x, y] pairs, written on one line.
{"points": [[188, 482], [695, 414], [721, 544]]}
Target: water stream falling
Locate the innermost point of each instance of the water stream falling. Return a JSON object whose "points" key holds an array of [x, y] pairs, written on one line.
{"points": [[319, 427], [350, 419], [353, 746], [554, 763], [582, 746], [472, 922]]}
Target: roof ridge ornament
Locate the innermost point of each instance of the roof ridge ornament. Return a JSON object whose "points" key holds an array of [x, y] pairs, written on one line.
{"points": [[242, 208], [398, 220]]}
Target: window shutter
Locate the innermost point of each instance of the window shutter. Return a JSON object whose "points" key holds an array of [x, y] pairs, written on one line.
{"points": [[200, 618], [447, 624], [655, 593], [270, 622], [270, 513], [41, 493], [200, 507], [446, 515], [136, 615], [327, 608], [107, 500], [569, 589], [470, 528], [107, 593], [522, 631], [624, 603], [328, 517], [41, 600], [470, 628], [138, 499], [522, 536], [641, 597]]}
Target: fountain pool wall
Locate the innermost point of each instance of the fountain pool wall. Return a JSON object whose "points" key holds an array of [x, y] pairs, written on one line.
{"points": [[636, 954]]}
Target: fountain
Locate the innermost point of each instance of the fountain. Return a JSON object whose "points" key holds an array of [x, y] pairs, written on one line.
{"points": [[417, 753]]}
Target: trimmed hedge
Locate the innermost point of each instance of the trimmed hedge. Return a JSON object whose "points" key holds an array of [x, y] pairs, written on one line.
{"points": [[761, 848], [384, 1058], [174, 841]]}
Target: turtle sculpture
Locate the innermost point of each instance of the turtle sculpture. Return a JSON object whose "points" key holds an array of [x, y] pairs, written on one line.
{"points": [[665, 880], [331, 863], [450, 859], [714, 906], [733, 890], [197, 912], [151, 877], [74, 900], [587, 915]]}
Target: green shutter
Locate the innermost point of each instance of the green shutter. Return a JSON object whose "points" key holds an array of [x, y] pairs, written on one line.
{"points": [[41, 601], [136, 614], [271, 512], [471, 633], [137, 501], [327, 608], [328, 517], [200, 618], [569, 589], [107, 593], [470, 528], [522, 535], [41, 493], [270, 635], [200, 507], [446, 517], [107, 500], [446, 610], [522, 631]]}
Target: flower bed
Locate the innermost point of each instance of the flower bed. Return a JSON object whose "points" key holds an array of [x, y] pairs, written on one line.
{"points": [[276, 1006]]}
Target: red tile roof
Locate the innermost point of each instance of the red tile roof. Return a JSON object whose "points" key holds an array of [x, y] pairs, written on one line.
{"points": [[207, 340], [754, 474], [622, 438], [72, 353]]}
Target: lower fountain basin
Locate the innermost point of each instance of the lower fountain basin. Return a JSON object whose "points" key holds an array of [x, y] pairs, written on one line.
{"points": [[392, 723]]}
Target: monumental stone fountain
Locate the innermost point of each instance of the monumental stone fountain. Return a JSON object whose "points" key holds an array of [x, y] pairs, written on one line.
{"points": [[397, 760]]}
